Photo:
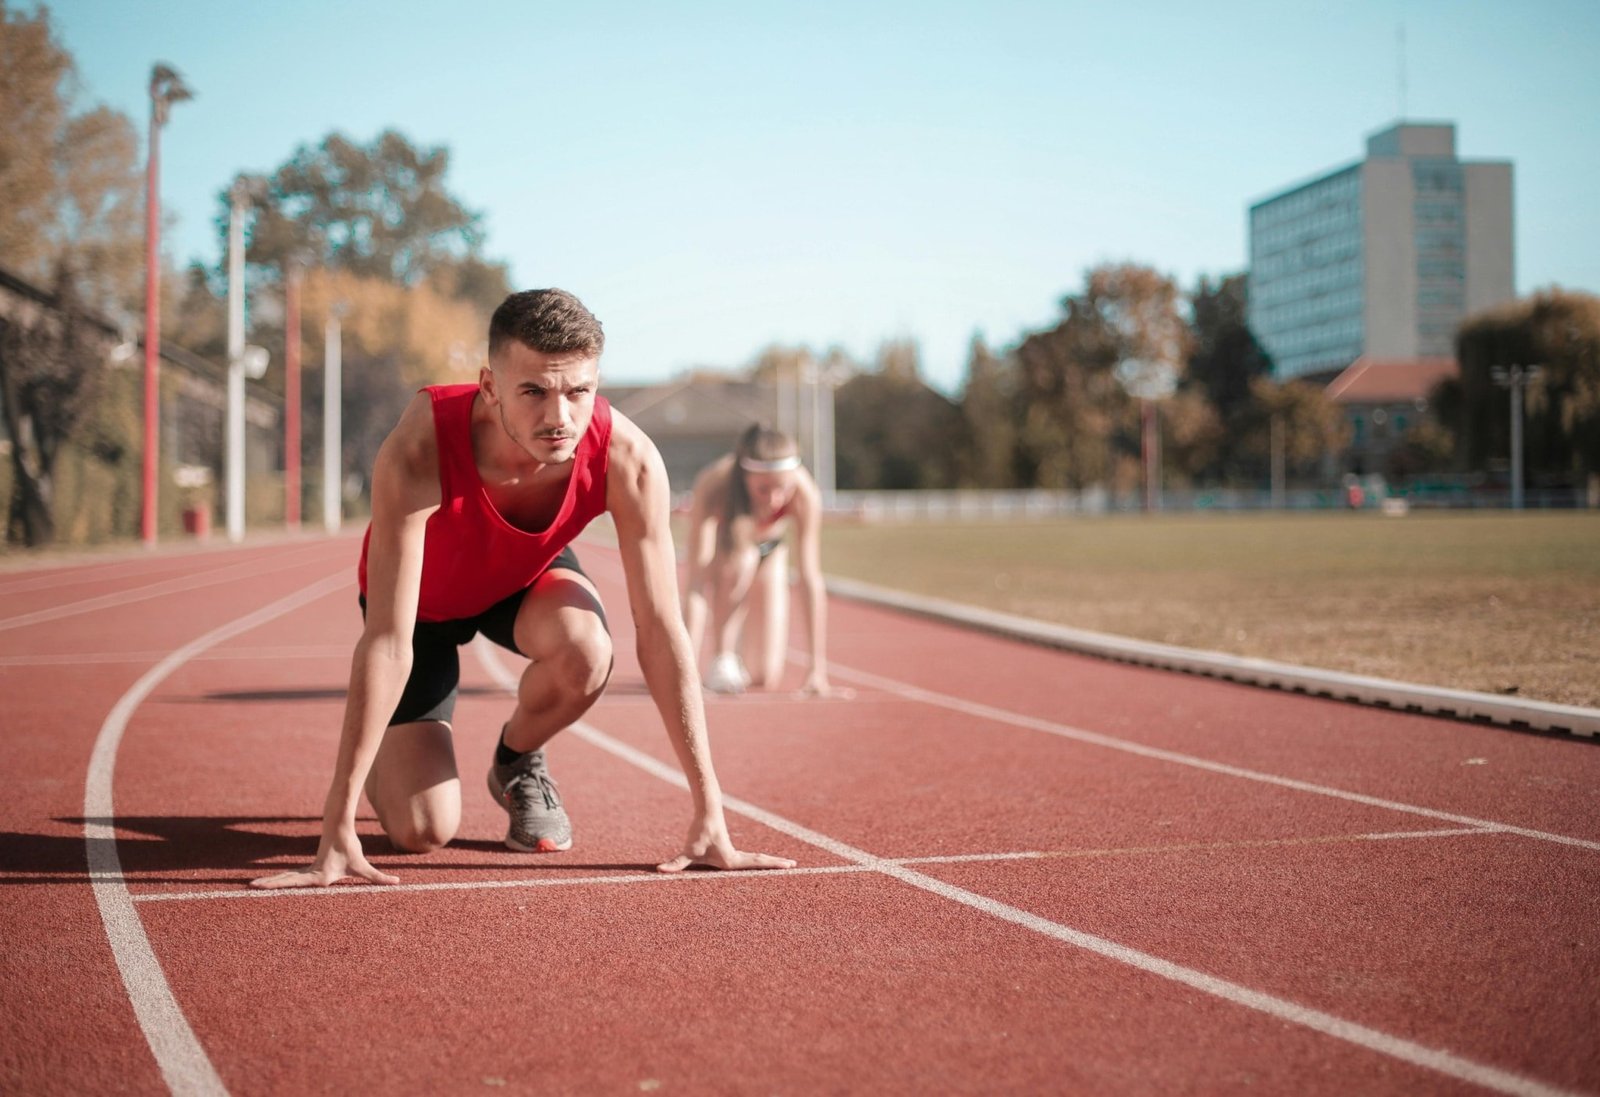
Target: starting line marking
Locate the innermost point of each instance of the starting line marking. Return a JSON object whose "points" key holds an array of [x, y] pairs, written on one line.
{"points": [[1372, 1039], [772, 874]]}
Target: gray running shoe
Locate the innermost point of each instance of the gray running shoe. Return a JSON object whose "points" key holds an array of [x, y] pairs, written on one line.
{"points": [[526, 790]]}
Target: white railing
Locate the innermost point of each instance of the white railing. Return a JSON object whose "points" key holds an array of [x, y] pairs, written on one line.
{"points": [[974, 505]]}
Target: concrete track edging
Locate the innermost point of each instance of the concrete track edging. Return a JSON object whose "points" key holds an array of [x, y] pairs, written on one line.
{"points": [[1383, 692]]}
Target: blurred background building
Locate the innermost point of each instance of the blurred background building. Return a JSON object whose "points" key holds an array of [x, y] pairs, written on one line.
{"points": [[1381, 258]]}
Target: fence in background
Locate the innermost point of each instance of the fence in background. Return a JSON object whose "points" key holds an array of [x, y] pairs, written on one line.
{"points": [[910, 506]]}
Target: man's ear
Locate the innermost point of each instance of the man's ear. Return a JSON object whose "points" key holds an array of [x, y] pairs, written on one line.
{"points": [[486, 386]]}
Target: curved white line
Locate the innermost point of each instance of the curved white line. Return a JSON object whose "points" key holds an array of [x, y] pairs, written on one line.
{"points": [[178, 1053]]}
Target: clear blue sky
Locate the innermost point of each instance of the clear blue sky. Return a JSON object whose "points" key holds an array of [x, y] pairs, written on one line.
{"points": [[714, 177]]}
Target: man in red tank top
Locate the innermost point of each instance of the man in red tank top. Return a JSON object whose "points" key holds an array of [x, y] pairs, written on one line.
{"points": [[476, 496]]}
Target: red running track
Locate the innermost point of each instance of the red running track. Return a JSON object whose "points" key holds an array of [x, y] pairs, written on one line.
{"points": [[1021, 871]]}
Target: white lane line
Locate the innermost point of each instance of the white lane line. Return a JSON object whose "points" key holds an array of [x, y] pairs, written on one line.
{"points": [[656, 877], [108, 571], [486, 885], [327, 651], [1326, 1023], [1050, 727], [1189, 847], [178, 1053], [250, 569]]}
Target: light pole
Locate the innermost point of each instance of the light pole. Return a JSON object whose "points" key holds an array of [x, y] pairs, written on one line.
{"points": [[1515, 378], [831, 375], [291, 395], [243, 361], [1148, 381], [166, 88], [332, 428]]}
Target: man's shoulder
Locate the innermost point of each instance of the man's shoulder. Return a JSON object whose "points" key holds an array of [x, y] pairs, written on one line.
{"points": [[630, 446], [412, 448]]}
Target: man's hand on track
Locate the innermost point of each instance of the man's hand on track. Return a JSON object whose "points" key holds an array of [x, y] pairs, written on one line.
{"points": [[336, 860], [715, 850]]}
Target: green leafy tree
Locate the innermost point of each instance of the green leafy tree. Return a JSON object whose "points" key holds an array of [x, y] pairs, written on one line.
{"points": [[1557, 330], [1192, 435], [375, 227], [379, 210], [893, 431], [49, 372], [1312, 427], [992, 413], [1226, 359], [1080, 427]]}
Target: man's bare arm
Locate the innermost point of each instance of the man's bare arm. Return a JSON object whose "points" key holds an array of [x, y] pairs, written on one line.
{"points": [[637, 496], [404, 493]]}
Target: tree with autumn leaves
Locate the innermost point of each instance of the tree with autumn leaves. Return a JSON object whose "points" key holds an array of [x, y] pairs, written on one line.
{"points": [[1053, 413], [70, 204], [381, 240]]}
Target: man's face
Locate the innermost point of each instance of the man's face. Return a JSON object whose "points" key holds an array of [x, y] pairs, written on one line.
{"points": [[545, 400]]}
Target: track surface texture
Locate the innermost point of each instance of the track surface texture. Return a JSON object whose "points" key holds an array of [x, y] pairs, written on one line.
{"points": [[1020, 871]]}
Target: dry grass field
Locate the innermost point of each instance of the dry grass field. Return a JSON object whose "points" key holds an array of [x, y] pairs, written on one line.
{"points": [[1494, 602]]}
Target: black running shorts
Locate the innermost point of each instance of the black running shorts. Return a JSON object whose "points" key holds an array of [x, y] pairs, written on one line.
{"points": [[430, 692]]}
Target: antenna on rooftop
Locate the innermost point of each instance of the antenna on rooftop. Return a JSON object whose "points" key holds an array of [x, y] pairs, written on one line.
{"points": [[1400, 51]]}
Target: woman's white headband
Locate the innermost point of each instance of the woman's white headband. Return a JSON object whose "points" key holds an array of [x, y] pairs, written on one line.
{"points": [[781, 464]]}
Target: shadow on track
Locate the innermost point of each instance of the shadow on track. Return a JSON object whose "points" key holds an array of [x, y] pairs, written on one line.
{"points": [[329, 693], [192, 849]]}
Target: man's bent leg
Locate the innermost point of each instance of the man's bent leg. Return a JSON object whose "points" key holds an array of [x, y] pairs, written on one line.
{"points": [[561, 628], [414, 787]]}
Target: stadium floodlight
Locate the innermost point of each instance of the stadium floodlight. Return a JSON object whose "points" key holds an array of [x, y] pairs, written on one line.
{"points": [[254, 362], [1516, 378], [166, 88]]}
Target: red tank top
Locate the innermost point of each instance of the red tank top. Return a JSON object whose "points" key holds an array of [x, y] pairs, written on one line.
{"points": [[472, 557]]}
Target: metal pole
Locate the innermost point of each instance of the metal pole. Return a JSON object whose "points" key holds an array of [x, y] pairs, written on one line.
{"points": [[815, 376], [1151, 458], [1277, 462], [1518, 380], [332, 429], [291, 398], [789, 402], [152, 328], [827, 476], [235, 430]]}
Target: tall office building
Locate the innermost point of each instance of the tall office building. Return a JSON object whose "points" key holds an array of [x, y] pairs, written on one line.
{"points": [[1382, 258]]}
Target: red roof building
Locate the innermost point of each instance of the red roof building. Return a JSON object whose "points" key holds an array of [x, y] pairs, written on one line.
{"points": [[1382, 399]]}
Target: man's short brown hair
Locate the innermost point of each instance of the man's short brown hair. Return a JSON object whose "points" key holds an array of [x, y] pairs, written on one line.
{"points": [[551, 321]]}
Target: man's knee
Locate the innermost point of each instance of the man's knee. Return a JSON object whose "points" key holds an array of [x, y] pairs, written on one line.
{"points": [[580, 657], [422, 832], [421, 839]]}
